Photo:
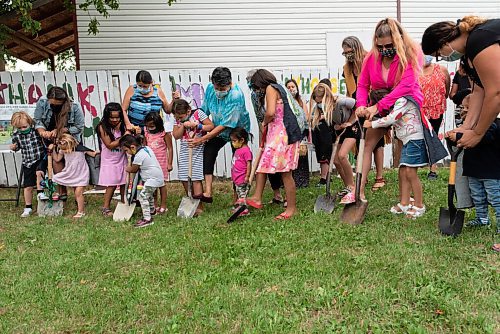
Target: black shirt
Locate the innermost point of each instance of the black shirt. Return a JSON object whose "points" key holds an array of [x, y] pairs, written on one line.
{"points": [[481, 37], [483, 160]]}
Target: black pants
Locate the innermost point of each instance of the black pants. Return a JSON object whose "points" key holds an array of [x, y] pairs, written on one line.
{"points": [[210, 153], [436, 123]]}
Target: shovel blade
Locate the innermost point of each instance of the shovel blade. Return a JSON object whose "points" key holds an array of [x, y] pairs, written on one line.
{"points": [[46, 209], [354, 213], [188, 207], [451, 222], [123, 212], [325, 203]]}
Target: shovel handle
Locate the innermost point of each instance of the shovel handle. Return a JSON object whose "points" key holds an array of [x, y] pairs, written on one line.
{"points": [[453, 173]]}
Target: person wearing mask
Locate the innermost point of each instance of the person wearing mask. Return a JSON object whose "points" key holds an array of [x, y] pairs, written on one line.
{"points": [[225, 102]]}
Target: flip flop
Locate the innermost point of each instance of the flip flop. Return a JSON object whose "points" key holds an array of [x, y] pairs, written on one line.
{"points": [[283, 216], [254, 204]]}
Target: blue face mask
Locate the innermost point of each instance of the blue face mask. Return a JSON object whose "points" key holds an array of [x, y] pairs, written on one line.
{"points": [[144, 91], [428, 59], [221, 94]]}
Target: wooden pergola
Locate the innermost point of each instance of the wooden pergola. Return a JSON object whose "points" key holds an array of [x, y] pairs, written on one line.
{"points": [[58, 33]]}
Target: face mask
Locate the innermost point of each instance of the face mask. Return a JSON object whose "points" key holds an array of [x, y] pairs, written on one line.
{"points": [[293, 91], [319, 105], [428, 59], [143, 91], [454, 55], [133, 151], [56, 108], [152, 130], [349, 57], [237, 144], [388, 53], [221, 94], [25, 132]]}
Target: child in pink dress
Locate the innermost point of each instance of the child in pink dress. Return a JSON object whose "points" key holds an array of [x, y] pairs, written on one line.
{"points": [[113, 159], [161, 143], [241, 165], [75, 172]]}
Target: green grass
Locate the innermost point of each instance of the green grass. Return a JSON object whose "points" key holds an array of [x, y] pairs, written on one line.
{"points": [[310, 274]]}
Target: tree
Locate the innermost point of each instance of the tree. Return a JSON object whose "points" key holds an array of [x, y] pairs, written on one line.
{"points": [[23, 9]]}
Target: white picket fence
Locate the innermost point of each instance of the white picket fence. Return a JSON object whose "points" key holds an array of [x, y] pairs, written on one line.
{"points": [[93, 89]]}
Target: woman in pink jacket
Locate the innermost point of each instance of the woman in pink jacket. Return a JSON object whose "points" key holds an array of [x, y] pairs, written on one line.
{"points": [[392, 67]]}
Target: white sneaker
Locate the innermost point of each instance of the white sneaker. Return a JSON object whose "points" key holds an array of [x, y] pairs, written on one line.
{"points": [[42, 197], [26, 212]]}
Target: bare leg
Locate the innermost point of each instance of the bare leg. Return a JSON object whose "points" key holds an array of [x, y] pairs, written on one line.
{"points": [[416, 186], [260, 183], [28, 195], [209, 178], [79, 199], [324, 170], [379, 162], [108, 195], [343, 157], [372, 138], [197, 190], [163, 196], [405, 187], [122, 193], [290, 191]]}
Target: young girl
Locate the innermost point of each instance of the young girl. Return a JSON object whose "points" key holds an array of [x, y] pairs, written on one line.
{"points": [[190, 124], [241, 165], [161, 143], [75, 172], [145, 162], [406, 119], [26, 139], [337, 112], [113, 159]]}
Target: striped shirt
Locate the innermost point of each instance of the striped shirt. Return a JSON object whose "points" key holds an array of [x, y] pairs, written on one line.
{"points": [[141, 105]]}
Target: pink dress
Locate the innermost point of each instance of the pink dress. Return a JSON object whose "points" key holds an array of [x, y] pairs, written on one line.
{"points": [[75, 172], [157, 143], [278, 156], [113, 164]]}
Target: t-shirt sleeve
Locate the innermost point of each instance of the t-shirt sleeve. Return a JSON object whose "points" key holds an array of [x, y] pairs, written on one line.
{"points": [[233, 110], [248, 155], [456, 79], [480, 40], [209, 91], [139, 158], [202, 116], [168, 123]]}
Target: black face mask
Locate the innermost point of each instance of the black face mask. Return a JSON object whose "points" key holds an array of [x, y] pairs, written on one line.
{"points": [[56, 109]]}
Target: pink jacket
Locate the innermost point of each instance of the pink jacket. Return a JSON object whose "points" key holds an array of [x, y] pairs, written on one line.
{"points": [[371, 78]]}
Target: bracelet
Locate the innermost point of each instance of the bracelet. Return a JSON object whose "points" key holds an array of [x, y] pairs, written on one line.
{"points": [[200, 126]]}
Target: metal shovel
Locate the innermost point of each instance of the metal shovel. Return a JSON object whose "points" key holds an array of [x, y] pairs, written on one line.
{"points": [[451, 220], [354, 213], [125, 211], [188, 206], [326, 202], [49, 208]]}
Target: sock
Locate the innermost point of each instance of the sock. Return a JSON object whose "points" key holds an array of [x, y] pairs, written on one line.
{"points": [[29, 206]]}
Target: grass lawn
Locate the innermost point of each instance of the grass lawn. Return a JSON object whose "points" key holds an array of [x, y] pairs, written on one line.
{"points": [[310, 274]]}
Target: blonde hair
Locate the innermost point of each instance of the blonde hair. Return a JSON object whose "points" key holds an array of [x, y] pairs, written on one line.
{"points": [[359, 53], [329, 103], [407, 49], [19, 116], [469, 22], [71, 143]]}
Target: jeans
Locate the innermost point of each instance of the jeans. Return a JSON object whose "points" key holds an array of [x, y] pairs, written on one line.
{"points": [[482, 192]]}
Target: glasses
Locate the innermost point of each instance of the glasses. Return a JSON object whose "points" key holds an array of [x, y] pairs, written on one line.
{"points": [[385, 46], [347, 53]]}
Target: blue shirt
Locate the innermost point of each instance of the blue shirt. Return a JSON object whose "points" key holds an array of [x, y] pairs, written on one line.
{"points": [[229, 112], [140, 106]]}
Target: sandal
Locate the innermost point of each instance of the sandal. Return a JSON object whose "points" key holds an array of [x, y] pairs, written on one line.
{"points": [[343, 192], [283, 216], [106, 212], [399, 209], [348, 198], [254, 204], [414, 212], [79, 215], [161, 211], [276, 201], [379, 183]]}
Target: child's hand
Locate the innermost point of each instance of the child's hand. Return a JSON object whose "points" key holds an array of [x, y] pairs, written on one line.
{"points": [[51, 147], [337, 127], [247, 179], [367, 124], [360, 111], [176, 95], [190, 125], [13, 147], [169, 167], [451, 135], [137, 130], [128, 169]]}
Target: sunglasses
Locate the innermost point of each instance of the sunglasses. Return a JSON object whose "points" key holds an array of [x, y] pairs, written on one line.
{"points": [[385, 46]]}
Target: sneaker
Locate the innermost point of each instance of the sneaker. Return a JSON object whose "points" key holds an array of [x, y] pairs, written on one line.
{"points": [[478, 222], [143, 223], [42, 197], [321, 183], [26, 212], [432, 176], [343, 192]]}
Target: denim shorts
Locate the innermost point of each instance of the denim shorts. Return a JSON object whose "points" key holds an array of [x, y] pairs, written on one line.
{"points": [[414, 154]]}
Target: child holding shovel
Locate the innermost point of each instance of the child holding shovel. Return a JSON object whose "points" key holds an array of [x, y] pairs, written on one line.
{"points": [[241, 166], [26, 139], [145, 162], [188, 125]]}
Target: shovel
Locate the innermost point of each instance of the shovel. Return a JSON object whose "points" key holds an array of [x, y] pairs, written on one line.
{"points": [[354, 213], [188, 205], [125, 211], [326, 202], [49, 208], [451, 220]]}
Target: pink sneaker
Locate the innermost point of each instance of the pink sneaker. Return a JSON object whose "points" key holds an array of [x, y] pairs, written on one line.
{"points": [[348, 199]]}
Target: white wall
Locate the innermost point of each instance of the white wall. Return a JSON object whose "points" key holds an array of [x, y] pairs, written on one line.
{"points": [[199, 34]]}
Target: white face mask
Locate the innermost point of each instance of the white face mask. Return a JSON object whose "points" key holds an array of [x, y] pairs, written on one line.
{"points": [[293, 91]]}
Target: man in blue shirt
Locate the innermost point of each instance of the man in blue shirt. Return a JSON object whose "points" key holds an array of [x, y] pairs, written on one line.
{"points": [[225, 102]]}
